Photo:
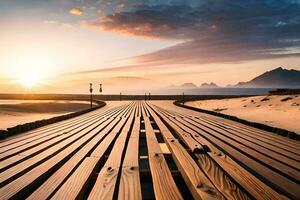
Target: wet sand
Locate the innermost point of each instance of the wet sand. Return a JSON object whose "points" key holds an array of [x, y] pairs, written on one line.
{"points": [[14, 112], [278, 111]]}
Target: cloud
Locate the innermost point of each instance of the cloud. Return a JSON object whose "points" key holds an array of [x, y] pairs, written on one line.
{"points": [[67, 25], [76, 11], [49, 22], [212, 30]]}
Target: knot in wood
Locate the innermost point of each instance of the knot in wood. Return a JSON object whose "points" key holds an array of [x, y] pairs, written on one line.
{"points": [[109, 168]]}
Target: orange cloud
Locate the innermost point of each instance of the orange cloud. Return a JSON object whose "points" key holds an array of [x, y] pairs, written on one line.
{"points": [[76, 11], [141, 29]]}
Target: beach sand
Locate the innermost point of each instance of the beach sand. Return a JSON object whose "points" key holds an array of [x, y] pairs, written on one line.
{"points": [[14, 112], [282, 111]]}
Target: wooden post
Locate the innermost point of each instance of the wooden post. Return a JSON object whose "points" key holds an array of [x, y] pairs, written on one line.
{"points": [[100, 90], [91, 97], [183, 98]]}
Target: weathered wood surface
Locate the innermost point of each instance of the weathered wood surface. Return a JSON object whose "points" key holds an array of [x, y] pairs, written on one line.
{"points": [[145, 150]]}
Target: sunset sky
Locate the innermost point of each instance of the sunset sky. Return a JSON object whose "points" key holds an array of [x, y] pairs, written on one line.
{"points": [[62, 45]]}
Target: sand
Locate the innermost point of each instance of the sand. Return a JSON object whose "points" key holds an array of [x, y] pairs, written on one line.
{"points": [[14, 112], [278, 111]]}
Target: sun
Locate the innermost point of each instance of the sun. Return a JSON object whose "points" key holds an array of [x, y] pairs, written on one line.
{"points": [[30, 77], [30, 70], [29, 80]]}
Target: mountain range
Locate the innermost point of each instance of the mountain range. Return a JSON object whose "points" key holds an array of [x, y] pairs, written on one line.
{"points": [[276, 78], [193, 86]]}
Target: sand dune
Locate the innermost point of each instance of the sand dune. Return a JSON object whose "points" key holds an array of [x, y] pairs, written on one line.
{"points": [[278, 111], [14, 112]]}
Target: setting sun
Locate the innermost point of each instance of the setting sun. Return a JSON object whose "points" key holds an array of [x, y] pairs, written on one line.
{"points": [[29, 80], [30, 75], [31, 68]]}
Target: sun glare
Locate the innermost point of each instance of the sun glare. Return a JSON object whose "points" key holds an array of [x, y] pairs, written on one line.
{"points": [[31, 76], [29, 80], [31, 69]]}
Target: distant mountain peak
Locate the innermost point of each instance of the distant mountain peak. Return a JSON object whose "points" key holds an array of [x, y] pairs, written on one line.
{"points": [[209, 85], [188, 85], [276, 78]]}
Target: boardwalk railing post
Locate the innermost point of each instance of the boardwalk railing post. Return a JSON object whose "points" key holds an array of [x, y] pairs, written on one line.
{"points": [[91, 91], [100, 89], [183, 98]]}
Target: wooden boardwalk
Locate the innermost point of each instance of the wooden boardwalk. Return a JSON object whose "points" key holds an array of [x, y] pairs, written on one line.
{"points": [[149, 150]]}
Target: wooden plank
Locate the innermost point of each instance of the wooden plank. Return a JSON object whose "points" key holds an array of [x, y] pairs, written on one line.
{"points": [[261, 149], [40, 137], [152, 144], [20, 184], [261, 133], [58, 177], [280, 143], [31, 161], [46, 144], [163, 183], [164, 148], [76, 185], [37, 132], [52, 183], [130, 187], [98, 152], [249, 182], [292, 153], [193, 145], [40, 130], [66, 170], [106, 180], [256, 152], [271, 150], [220, 180], [268, 135], [104, 186], [199, 185], [20, 142], [90, 168], [269, 177], [37, 174]]}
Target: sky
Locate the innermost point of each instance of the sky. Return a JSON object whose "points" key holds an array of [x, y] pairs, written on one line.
{"points": [[59, 46]]}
